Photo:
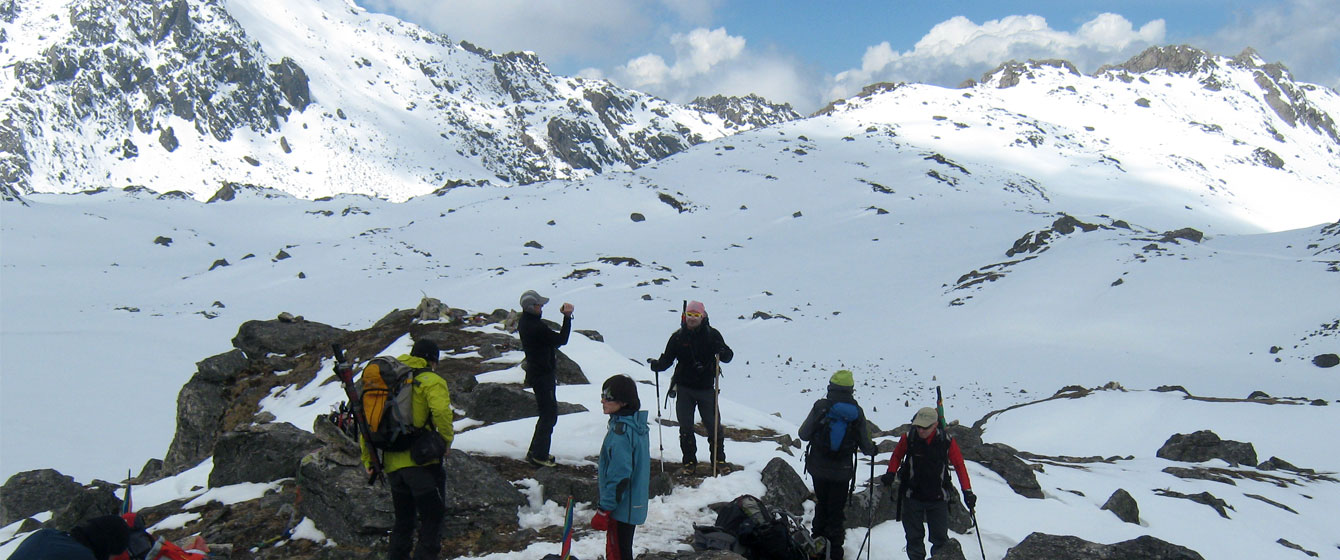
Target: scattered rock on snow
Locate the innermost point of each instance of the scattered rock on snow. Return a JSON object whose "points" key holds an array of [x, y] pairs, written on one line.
{"points": [[1205, 445], [1123, 505], [1041, 546]]}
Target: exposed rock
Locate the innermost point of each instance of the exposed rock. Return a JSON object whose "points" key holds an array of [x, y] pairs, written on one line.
{"points": [[950, 550], [98, 498], [200, 405], [1326, 360], [786, 491], [1123, 506], [750, 110], [560, 482], [503, 402], [1001, 459], [1189, 234], [1205, 445], [1219, 506], [260, 453], [1041, 546], [32, 492], [260, 338]]}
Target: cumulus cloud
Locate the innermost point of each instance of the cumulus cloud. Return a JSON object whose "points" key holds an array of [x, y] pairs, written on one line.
{"points": [[1304, 34], [712, 61], [958, 48]]}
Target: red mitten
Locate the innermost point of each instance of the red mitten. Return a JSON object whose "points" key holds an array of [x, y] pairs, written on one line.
{"points": [[601, 521]]}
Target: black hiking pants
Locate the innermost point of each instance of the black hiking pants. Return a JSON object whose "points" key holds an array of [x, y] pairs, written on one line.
{"points": [[830, 516], [704, 401], [546, 401], [917, 515], [421, 490]]}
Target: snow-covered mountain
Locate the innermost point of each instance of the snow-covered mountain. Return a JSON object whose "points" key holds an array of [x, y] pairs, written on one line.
{"points": [[314, 98]]}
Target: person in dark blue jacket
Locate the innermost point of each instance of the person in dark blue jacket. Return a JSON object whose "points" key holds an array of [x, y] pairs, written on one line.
{"points": [[624, 473], [97, 538]]}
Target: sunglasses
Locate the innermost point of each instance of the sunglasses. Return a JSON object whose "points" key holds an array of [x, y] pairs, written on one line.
{"points": [[693, 314], [607, 395]]}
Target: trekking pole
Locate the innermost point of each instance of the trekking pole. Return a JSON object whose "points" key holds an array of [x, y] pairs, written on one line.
{"points": [[870, 521], [660, 436], [978, 530], [716, 406]]}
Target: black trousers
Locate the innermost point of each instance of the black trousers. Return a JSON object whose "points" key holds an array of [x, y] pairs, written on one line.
{"points": [[421, 491], [546, 401], [830, 502], [704, 401], [625, 532], [917, 515]]}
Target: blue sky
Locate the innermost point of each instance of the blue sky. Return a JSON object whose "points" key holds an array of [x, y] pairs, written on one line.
{"points": [[809, 52]]}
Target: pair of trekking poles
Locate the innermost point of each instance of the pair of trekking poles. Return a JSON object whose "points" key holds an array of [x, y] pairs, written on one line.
{"points": [[972, 511], [870, 524]]}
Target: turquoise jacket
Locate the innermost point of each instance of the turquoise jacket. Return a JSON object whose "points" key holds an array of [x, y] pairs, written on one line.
{"points": [[625, 468]]}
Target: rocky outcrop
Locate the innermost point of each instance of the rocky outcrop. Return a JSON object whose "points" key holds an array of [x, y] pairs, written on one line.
{"points": [[260, 453], [750, 111], [504, 402], [1205, 445], [786, 491], [201, 404], [32, 492], [288, 338], [1040, 546]]}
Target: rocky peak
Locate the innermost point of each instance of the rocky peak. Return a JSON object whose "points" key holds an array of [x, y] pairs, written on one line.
{"points": [[1008, 74], [750, 111], [1175, 59]]}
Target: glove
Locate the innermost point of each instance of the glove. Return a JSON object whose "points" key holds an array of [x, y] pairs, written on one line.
{"points": [[970, 499], [671, 393], [651, 363], [601, 521], [887, 478]]}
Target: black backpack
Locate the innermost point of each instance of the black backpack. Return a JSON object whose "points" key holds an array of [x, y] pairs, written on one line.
{"points": [[765, 534]]}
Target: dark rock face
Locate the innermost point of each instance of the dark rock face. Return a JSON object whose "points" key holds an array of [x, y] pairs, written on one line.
{"points": [[1326, 360], [1011, 72], [260, 453], [1205, 445], [98, 498], [559, 483], [1123, 506], [1040, 546], [749, 110], [786, 491], [259, 338], [501, 402], [201, 404], [1000, 459], [32, 492]]}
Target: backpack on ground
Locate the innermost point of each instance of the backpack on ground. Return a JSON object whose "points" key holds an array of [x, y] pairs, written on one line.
{"points": [[764, 534], [711, 537], [386, 388]]}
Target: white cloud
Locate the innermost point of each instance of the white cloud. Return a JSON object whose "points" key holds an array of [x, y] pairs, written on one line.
{"points": [[1304, 34], [958, 48], [712, 61]]}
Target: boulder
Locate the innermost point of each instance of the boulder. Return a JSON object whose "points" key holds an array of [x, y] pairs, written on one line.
{"points": [[951, 550], [201, 404], [556, 484], [503, 402], [568, 372], [32, 492], [98, 498], [786, 491], [1040, 546], [260, 453], [259, 338], [1123, 506], [1205, 445], [1000, 458]]}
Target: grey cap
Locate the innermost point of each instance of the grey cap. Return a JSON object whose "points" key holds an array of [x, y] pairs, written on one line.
{"points": [[925, 418], [531, 297]]}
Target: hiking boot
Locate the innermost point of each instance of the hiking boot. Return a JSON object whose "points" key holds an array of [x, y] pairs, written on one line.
{"points": [[689, 464], [541, 462]]}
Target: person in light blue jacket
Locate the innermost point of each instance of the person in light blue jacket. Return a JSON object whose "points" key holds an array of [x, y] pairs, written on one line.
{"points": [[625, 468]]}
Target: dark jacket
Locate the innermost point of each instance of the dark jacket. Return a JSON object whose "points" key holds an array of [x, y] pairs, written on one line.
{"points": [[50, 544], [823, 465], [541, 345], [694, 353], [925, 472]]}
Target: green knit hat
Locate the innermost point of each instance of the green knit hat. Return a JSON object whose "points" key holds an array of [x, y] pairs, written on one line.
{"points": [[843, 378]]}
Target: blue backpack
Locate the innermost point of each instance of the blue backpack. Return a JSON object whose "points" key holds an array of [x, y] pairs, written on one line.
{"points": [[840, 438]]}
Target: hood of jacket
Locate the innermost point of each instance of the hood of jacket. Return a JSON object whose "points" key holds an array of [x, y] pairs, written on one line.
{"points": [[841, 393], [413, 361], [637, 421]]}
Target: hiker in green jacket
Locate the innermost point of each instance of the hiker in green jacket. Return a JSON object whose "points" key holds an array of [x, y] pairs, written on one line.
{"points": [[419, 486]]}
